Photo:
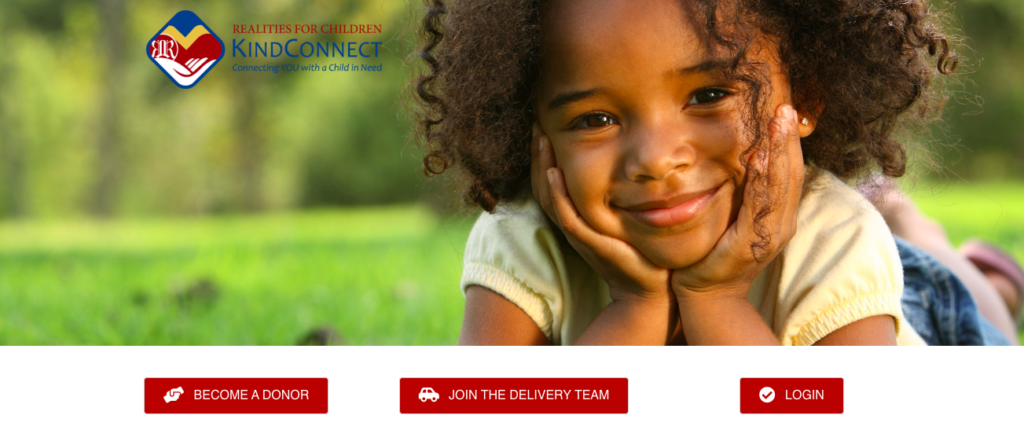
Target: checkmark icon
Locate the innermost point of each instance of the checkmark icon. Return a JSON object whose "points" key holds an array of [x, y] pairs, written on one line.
{"points": [[767, 394]]}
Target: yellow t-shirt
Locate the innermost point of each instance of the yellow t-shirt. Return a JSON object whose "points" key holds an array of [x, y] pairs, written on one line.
{"points": [[841, 266]]}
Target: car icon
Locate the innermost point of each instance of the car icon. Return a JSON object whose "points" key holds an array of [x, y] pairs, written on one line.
{"points": [[428, 393]]}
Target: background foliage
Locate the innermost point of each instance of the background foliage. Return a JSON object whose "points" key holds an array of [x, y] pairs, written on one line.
{"points": [[91, 127], [88, 126]]}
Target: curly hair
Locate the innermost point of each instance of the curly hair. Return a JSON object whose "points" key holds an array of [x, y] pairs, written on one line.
{"points": [[862, 67]]}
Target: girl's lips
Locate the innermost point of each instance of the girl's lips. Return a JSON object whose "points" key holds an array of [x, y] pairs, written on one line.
{"points": [[677, 210]]}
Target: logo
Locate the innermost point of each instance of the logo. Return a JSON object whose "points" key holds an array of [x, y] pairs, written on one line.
{"points": [[185, 49], [767, 394], [173, 394]]}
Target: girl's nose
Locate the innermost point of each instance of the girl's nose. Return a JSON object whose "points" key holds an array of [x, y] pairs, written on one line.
{"points": [[657, 153]]}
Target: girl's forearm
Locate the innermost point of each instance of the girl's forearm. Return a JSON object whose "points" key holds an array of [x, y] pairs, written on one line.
{"points": [[713, 318], [632, 321]]}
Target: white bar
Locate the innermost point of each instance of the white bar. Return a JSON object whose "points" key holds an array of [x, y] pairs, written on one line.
{"points": [[674, 386]]}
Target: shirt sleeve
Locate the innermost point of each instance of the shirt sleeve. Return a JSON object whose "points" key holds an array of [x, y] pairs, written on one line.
{"points": [[514, 253], [840, 267]]}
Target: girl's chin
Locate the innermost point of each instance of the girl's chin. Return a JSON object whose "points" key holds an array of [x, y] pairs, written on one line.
{"points": [[674, 257], [679, 250]]}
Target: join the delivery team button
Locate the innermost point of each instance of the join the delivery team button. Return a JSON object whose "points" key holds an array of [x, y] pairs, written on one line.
{"points": [[791, 396], [236, 396], [514, 396]]}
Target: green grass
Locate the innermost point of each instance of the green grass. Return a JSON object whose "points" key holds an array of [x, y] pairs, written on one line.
{"points": [[993, 212], [379, 276]]}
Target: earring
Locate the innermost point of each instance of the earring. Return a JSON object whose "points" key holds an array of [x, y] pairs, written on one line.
{"points": [[804, 121]]}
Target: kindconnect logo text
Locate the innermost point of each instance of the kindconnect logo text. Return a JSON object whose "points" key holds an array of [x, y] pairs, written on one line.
{"points": [[185, 49]]}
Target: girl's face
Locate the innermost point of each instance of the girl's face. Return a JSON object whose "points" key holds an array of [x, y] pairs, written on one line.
{"points": [[648, 136]]}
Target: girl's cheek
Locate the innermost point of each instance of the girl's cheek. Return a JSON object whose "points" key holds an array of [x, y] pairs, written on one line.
{"points": [[588, 176], [582, 179], [723, 145]]}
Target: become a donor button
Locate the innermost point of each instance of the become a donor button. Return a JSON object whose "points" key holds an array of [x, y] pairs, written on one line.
{"points": [[239, 396], [793, 396], [514, 396]]}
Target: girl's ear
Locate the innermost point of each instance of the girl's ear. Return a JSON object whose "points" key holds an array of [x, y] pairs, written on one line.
{"points": [[807, 120], [806, 124]]}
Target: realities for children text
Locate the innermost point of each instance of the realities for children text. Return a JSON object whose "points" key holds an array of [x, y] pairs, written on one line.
{"points": [[293, 48]]}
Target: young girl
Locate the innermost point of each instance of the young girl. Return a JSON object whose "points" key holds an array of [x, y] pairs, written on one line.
{"points": [[658, 171]]}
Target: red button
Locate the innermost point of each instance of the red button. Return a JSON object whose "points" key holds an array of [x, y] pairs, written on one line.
{"points": [[257, 396], [514, 396], [797, 396]]}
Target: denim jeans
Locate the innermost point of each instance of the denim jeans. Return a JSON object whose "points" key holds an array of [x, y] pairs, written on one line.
{"points": [[938, 306]]}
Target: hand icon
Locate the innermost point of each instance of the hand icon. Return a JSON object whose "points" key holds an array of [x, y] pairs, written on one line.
{"points": [[173, 394], [190, 67], [186, 75]]}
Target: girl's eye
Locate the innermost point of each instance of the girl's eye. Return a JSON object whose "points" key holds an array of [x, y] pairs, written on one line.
{"points": [[705, 96], [593, 121]]}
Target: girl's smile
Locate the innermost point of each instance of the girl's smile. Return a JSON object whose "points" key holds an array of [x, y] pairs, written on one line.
{"points": [[672, 210]]}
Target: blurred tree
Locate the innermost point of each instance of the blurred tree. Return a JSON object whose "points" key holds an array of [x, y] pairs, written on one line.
{"points": [[12, 149], [985, 133], [108, 140], [250, 144], [17, 16]]}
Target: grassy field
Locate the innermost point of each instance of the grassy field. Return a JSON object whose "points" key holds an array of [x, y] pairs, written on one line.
{"points": [[376, 276], [380, 276], [991, 212]]}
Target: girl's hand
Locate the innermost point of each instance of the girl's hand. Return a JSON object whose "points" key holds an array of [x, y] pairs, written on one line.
{"points": [[630, 275], [730, 267]]}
